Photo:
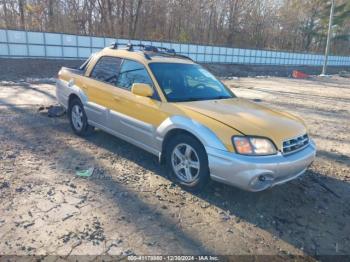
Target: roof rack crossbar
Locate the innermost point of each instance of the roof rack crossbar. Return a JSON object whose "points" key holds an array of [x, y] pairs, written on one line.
{"points": [[151, 49], [174, 55]]}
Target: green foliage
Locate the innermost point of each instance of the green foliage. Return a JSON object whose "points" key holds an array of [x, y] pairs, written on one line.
{"points": [[184, 36]]}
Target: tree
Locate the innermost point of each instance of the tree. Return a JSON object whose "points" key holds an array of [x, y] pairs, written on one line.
{"points": [[283, 24], [21, 13]]}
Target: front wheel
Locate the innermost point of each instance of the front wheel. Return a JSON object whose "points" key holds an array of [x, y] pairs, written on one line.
{"points": [[187, 162], [78, 119]]}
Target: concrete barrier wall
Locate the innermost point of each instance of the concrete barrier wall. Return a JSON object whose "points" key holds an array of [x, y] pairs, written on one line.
{"points": [[14, 43]]}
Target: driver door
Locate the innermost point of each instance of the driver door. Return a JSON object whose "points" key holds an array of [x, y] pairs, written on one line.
{"points": [[138, 116]]}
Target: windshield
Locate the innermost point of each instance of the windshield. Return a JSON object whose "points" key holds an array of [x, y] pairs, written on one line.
{"points": [[188, 82]]}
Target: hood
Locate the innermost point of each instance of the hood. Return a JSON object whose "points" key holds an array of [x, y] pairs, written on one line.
{"points": [[250, 118]]}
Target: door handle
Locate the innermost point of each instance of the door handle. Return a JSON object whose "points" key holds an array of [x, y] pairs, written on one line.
{"points": [[84, 87]]}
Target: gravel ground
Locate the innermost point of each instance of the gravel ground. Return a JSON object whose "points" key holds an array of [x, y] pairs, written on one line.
{"points": [[129, 206]]}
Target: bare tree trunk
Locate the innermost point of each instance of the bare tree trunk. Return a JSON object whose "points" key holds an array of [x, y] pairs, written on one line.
{"points": [[210, 23], [110, 18], [123, 19], [89, 18], [232, 21], [50, 17], [21, 13], [139, 3], [5, 14], [131, 17], [104, 23]]}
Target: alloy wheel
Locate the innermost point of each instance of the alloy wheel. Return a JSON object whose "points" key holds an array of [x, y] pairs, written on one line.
{"points": [[185, 163]]}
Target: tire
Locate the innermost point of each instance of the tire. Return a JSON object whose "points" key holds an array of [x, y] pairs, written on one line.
{"points": [[184, 154], [78, 119]]}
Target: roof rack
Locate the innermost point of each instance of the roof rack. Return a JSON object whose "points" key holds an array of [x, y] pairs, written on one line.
{"points": [[150, 50]]}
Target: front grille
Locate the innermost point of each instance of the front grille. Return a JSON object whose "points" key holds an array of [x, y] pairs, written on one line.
{"points": [[294, 144]]}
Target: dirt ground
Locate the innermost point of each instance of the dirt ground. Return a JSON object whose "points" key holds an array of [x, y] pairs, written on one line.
{"points": [[14, 69], [129, 206]]}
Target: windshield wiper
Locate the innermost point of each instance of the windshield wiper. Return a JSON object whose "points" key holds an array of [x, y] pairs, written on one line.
{"points": [[221, 97], [187, 99]]}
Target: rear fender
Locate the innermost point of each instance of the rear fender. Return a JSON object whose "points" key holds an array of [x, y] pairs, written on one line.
{"points": [[65, 89]]}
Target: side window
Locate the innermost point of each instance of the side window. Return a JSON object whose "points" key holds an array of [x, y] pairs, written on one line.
{"points": [[107, 69], [133, 72]]}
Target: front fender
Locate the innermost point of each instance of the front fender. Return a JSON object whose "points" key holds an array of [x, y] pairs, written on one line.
{"points": [[207, 137]]}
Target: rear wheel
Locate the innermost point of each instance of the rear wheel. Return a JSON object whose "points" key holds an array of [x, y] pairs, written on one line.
{"points": [[187, 162], [78, 119]]}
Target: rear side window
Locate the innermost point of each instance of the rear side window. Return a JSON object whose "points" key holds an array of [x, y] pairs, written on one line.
{"points": [[133, 72], [107, 69]]}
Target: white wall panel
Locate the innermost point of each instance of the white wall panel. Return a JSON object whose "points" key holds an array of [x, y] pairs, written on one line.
{"points": [[54, 51], [110, 41], [3, 37], [70, 52], [3, 50], [201, 49], [84, 41], [18, 50], [36, 50], [35, 38], [176, 47], [222, 51], [70, 40], [192, 48], [216, 50], [200, 58], [97, 42], [52, 39], [16, 36], [84, 52], [38, 44]]}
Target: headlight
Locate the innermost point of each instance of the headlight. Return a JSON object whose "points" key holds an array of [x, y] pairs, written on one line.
{"points": [[246, 145]]}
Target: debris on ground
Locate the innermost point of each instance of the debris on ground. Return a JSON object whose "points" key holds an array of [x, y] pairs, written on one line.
{"points": [[85, 173], [299, 75], [345, 74], [4, 185], [53, 110], [56, 111]]}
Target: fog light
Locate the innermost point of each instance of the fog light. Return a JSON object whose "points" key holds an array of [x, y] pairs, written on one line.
{"points": [[261, 182]]}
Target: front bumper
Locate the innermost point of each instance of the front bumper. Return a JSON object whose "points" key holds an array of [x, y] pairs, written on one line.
{"points": [[257, 173]]}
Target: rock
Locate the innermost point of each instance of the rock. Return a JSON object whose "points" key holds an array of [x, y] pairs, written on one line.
{"points": [[20, 189], [28, 225], [114, 250], [11, 156], [152, 243], [4, 185], [67, 217], [127, 253], [205, 205]]}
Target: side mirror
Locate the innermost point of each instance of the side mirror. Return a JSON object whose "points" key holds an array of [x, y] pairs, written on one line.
{"points": [[141, 89]]}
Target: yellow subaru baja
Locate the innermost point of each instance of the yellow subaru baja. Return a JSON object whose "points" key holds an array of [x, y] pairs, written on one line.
{"points": [[175, 109]]}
